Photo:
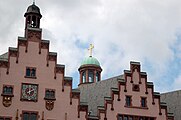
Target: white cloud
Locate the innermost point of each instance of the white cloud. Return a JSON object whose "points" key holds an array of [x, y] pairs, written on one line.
{"points": [[177, 83], [121, 31]]}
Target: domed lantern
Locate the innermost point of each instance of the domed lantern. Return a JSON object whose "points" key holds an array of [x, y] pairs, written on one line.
{"points": [[90, 69], [32, 16]]}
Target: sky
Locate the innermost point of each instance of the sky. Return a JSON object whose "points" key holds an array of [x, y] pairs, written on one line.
{"points": [[145, 31]]}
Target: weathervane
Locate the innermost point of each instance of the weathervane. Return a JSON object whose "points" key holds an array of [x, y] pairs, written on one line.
{"points": [[90, 49]]}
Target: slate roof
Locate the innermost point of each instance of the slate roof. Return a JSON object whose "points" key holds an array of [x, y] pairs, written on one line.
{"points": [[94, 94], [4, 57], [173, 100]]}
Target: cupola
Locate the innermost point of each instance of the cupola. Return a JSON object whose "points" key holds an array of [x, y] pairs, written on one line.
{"points": [[32, 16], [90, 69]]}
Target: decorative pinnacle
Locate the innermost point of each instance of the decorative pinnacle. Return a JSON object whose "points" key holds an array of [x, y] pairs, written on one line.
{"points": [[90, 49], [33, 2]]}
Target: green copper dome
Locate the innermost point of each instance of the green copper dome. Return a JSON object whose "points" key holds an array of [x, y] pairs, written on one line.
{"points": [[90, 61]]}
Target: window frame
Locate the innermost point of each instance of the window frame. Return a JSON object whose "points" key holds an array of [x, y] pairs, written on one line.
{"points": [[91, 75], [49, 98], [126, 103], [29, 113], [133, 117], [84, 77], [31, 74], [6, 117], [145, 102], [6, 93], [97, 76]]}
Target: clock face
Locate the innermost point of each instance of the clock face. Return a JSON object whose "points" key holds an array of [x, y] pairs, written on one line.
{"points": [[29, 92]]}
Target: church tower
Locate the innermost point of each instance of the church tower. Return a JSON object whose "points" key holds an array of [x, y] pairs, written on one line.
{"points": [[90, 69]]}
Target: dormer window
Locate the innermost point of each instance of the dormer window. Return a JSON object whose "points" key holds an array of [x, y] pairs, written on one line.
{"points": [[30, 72]]}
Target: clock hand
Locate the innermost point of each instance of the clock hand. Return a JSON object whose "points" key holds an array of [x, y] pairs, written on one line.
{"points": [[30, 91]]}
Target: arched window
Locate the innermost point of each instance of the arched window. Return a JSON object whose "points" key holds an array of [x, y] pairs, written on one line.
{"points": [[33, 21], [38, 23], [91, 76], [83, 77], [97, 76], [29, 18]]}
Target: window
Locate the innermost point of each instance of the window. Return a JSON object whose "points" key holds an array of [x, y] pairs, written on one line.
{"points": [[31, 72], [91, 76], [5, 118], [141, 118], [132, 117], [29, 19], [120, 117], [7, 90], [34, 21], [30, 116], [143, 102], [83, 77], [97, 77], [152, 119], [125, 117], [50, 94], [128, 101]]}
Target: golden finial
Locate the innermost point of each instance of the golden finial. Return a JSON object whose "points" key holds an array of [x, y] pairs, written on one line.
{"points": [[90, 49]]}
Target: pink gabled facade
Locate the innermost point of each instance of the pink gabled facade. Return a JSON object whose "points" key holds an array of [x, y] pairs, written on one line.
{"points": [[34, 87], [32, 84], [144, 103]]}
